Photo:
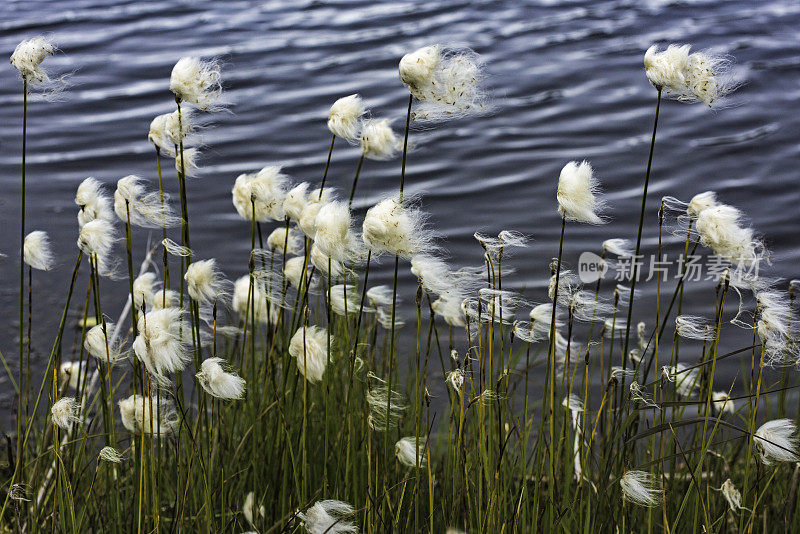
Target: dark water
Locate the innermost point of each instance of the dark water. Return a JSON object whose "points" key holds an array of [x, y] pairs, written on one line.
{"points": [[568, 84]]}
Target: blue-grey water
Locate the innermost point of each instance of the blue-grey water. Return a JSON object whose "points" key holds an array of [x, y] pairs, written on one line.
{"points": [[568, 84]]}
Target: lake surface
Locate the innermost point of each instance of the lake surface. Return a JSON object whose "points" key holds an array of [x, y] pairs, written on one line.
{"points": [[568, 84]]}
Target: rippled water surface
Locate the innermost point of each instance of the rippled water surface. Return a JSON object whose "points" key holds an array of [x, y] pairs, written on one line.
{"points": [[567, 80]]}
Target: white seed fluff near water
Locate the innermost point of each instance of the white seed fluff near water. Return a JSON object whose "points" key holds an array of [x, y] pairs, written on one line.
{"points": [[618, 247], [344, 118], [285, 239], [383, 410], [410, 451], [455, 379], [395, 228], [148, 210], [70, 372], [97, 238], [432, 272], [690, 77], [204, 281], [378, 140], [335, 236], [265, 191], [178, 127], [93, 201], [187, 161], [28, 57], [722, 402], [701, 202], [720, 229], [144, 290], [694, 327], [293, 270], [577, 193], [447, 82], [639, 487], [309, 348], [65, 412], [196, 81], [108, 352], [219, 382], [308, 217], [328, 517], [777, 441], [110, 454], [685, 379], [258, 300], [140, 415], [157, 134], [731, 495], [162, 342], [344, 299], [36, 251], [295, 201]]}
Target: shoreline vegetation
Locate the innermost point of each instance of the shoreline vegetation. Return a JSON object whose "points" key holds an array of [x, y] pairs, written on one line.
{"points": [[296, 399]]}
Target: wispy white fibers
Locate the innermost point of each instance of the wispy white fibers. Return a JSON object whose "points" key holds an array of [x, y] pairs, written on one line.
{"points": [[455, 379], [344, 299], [694, 327], [448, 82], [774, 318], [293, 270], [720, 229], [320, 260], [380, 299], [410, 451], [334, 234], [568, 283], [329, 517], [449, 308], [396, 228], [308, 217], [504, 242], [295, 201], [432, 272], [285, 238], [93, 201], [618, 247], [175, 249], [188, 164], [70, 372], [587, 306], [166, 298], [701, 202], [722, 402], [495, 305], [140, 415], [777, 441], [144, 209], [541, 317], [36, 251], [639, 487], [639, 395], [309, 348], [204, 281], [107, 352], [383, 411], [158, 134], [577, 193], [732, 495], [179, 126], [248, 508], [258, 300], [344, 118], [110, 454], [220, 381], [574, 405], [97, 238], [144, 290], [162, 342], [691, 77], [196, 81], [65, 412], [378, 140], [685, 379], [28, 57], [265, 189]]}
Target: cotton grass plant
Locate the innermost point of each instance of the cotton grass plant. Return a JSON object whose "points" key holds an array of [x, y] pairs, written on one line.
{"points": [[297, 397]]}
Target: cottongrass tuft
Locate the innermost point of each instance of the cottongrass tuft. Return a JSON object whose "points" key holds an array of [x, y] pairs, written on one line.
{"points": [[93, 201], [720, 228], [158, 133], [140, 415], [309, 348], [204, 281], [328, 517], [732, 495], [777, 441], [694, 327], [334, 234], [378, 140], [70, 372], [175, 249], [313, 204], [132, 203], [260, 299], [162, 342], [295, 201], [701, 202], [685, 379], [266, 190], [690, 77], [65, 412], [618, 247], [97, 237], [432, 272], [293, 270], [396, 228], [37, 252], [344, 118], [383, 410], [639, 487], [283, 239], [196, 81], [95, 343], [410, 451], [219, 382], [144, 290], [188, 162], [577, 194], [722, 403], [28, 57], [110, 454], [344, 299], [248, 508]]}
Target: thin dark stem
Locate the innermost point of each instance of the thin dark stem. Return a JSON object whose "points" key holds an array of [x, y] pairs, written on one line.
{"points": [[20, 459], [405, 147], [355, 181], [327, 165]]}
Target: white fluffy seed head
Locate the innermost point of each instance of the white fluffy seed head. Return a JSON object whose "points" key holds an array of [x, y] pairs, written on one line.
{"points": [[293, 270], [344, 299], [204, 280], [618, 247], [248, 508], [187, 162], [777, 441], [639, 487], [133, 203], [700, 202], [257, 300], [140, 415], [219, 382], [110, 454], [36, 251], [284, 239], [308, 217], [158, 133], [162, 342], [344, 118], [178, 126], [396, 228], [385, 407], [410, 451], [28, 57], [265, 191], [720, 229], [309, 348], [334, 234], [577, 193], [329, 517], [295, 201], [93, 201], [320, 261], [70, 372], [685, 379], [166, 298], [196, 81], [448, 307], [378, 140], [722, 402], [102, 346], [732, 495], [417, 68], [65, 412], [455, 379], [432, 272], [97, 237], [144, 290], [694, 327], [573, 403], [690, 77]]}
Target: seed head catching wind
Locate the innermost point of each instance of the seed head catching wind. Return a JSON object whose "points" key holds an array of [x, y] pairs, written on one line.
{"points": [[70, 372], [97, 237], [329, 517], [309, 348], [396, 228], [324, 263], [732, 495], [65, 412], [447, 82], [285, 239], [140, 415], [701, 202], [144, 290], [248, 508], [777, 441], [295, 201], [186, 162], [158, 134], [265, 189], [313, 204], [685, 379], [639, 487], [344, 299], [110, 454], [773, 327], [197, 81], [618, 247], [722, 402], [344, 118], [218, 380], [263, 299], [144, 209], [383, 411], [689, 77], [36, 251], [109, 352], [335, 236], [205, 281], [577, 194], [694, 327], [410, 451], [378, 140], [178, 127], [27, 59], [293, 270], [432, 272], [93, 201], [162, 342], [720, 230]]}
